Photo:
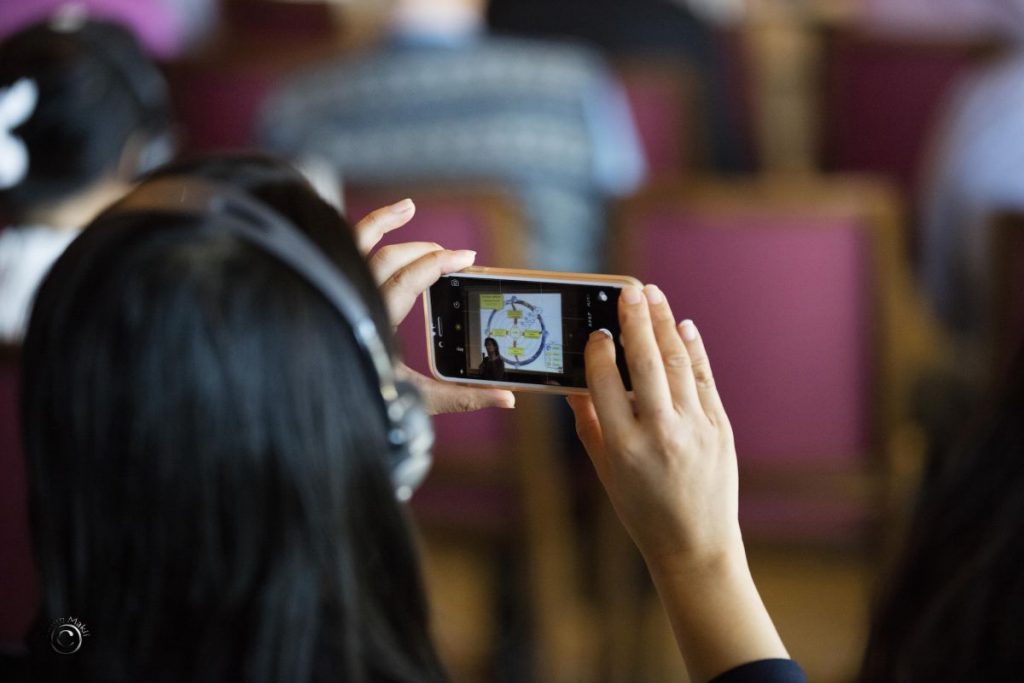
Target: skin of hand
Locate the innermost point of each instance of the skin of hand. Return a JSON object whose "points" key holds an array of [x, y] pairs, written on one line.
{"points": [[404, 271], [667, 459]]}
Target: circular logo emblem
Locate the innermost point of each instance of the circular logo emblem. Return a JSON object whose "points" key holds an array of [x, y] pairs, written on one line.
{"points": [[66, 636]]}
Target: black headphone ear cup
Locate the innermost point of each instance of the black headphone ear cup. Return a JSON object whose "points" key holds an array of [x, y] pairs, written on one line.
{"points": [[411, 433]]}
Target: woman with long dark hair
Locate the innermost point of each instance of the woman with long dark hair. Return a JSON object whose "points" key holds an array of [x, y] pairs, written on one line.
{"points": [[208, 491], [217, 444]]}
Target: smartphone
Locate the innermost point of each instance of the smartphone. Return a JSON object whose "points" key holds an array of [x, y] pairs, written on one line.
{"points": [[520, 329]]}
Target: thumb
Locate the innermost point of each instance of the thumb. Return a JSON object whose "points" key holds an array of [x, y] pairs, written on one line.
{"points": [[441, 397]]}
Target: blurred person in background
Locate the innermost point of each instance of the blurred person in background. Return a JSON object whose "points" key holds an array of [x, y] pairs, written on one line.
{"points": [[953, 609], [82, 112], [165, 28], [440, 101], [975, 171], [938, 18], [686, 31], [214, 472]]}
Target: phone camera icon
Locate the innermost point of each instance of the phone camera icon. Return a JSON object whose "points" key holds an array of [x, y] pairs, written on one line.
{"points": [[602, 296], [455, 283]]}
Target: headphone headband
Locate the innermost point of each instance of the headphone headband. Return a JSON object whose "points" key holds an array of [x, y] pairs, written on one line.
{"points": [[409, 430]]}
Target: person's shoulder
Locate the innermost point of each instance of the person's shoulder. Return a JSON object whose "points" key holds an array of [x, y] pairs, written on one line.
{"points": [[34, 239], [567, 54]]}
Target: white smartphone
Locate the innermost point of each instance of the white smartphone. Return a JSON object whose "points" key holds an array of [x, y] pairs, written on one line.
{"points": [[519, 329]]}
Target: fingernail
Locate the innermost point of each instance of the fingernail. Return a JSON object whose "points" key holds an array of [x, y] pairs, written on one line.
{"points": [[466, 253], [631, 295], [689, 330], [654, 295], [596, 334], [404, 206]]}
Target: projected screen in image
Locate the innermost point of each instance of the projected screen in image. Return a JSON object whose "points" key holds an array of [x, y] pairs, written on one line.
{"points": [[527, 328]]}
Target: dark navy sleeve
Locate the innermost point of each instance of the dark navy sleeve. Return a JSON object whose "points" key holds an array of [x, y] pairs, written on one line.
{"points": [[764, 671]]}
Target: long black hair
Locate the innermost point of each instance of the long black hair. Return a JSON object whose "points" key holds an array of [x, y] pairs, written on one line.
{"points": [[99, 96], [209, 486], [954, 608]]}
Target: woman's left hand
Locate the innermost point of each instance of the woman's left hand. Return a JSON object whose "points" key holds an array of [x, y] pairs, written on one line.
{"points": [[404, 271]]}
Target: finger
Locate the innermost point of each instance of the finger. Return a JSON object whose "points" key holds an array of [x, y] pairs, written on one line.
{"points": [[373, 227], [707, 392], [611, 403], [646, 369], [673, 352], [401, 290], [441, 397], [390, 259], [588, 429]]}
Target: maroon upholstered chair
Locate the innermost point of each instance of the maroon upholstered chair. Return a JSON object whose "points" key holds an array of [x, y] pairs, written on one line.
{"points": [[497, 473], [883, 96], [18, 587], [278, 18], [786, 293], [478, 443], [662, 98], [216, 104]]}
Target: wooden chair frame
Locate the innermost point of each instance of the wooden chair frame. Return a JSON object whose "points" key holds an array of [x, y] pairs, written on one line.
{"points": [[693, 152]]}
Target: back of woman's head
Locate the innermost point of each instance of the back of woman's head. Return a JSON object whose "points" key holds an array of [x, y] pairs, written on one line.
{"points": [[82, 103], [954, 607], [207, 451]]}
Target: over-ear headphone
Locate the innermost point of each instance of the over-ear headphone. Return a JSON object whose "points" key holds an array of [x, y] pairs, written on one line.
{"points": [[410, 434]]}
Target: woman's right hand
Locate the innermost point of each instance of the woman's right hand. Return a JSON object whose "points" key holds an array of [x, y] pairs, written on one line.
{"points": [[668, 462], [666, 458]]}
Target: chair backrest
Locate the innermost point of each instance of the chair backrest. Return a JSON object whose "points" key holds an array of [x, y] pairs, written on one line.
{"points": [[218, 93], [488, 222], [497, 472], [483, 220], [883, 97], [216, 104], [277, 18], [785, 292], [18, 587], [783, 300], [663, 99]]}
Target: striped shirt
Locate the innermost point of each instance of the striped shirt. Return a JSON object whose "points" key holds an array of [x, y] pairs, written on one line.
{"points": [[545, 120]]}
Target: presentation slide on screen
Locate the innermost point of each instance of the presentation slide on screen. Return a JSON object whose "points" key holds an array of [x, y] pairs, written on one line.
{"points": [[527, 329]]}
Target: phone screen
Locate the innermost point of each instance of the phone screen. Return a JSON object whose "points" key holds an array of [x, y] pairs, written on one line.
{"points": [[490, 329]]}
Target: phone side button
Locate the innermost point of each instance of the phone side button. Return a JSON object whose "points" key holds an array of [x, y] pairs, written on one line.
{"points": [[440, 327]]}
